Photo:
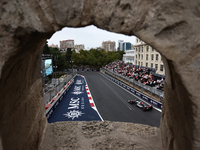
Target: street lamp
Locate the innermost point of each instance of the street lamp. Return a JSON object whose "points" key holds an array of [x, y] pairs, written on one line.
{"points": [[55, 71], [55, 59], [71, 62]]}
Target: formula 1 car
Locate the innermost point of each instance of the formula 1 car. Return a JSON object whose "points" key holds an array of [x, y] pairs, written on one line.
{"points": [[141, 104]]}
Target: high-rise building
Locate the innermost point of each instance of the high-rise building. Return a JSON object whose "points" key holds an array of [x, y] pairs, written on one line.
{"points": [[120, 45], [126, 46], [147, 56], [108, 46], [66, 44]]}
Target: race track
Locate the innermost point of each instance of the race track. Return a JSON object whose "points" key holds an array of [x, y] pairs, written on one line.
{"points": [[111, 102]]}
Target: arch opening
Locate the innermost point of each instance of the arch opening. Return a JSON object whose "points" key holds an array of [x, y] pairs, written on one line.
{"points": [[164, 25]]}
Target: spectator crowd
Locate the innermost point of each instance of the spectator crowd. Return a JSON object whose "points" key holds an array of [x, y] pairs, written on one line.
{"points": [[138, 73]]}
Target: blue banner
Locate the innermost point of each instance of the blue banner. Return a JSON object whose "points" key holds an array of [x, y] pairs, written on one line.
{"points": [[75, 105]]}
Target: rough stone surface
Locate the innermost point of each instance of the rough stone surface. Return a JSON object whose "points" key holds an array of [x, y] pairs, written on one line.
{"points": [[171, 27], [101, 135]]}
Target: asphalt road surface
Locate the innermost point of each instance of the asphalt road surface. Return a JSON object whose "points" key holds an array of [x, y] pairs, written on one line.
{"points": [[111, 102]]}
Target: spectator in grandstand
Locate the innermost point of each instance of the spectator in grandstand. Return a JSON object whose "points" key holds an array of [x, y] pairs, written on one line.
{"points": [[138, 73]]}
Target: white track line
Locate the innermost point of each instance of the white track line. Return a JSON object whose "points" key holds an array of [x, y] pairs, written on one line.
{"points": [[133, 94], [95, 108], [121, 99]]}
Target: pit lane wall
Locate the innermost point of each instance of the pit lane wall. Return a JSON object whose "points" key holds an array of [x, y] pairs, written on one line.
{"points": [[53, 104], [138, 94]]}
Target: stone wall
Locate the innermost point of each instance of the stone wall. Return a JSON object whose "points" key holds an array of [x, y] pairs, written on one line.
{"points": [[171, 27]]}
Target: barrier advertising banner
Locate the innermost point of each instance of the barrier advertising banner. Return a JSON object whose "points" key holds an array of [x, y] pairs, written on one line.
{"points": [[144, 97], [75, 105]]}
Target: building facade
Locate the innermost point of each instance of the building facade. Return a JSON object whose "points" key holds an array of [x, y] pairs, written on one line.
{"points": [[79, 47], [129, 56], [108, 46], [53, 46], [126, 46], [66, 44], [147, 56], [120, 45]]}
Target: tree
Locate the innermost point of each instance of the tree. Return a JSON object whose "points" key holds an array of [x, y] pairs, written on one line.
{"points": [[95, 58], [76, 58], [68, 54], [46, 49], [121, 54]]}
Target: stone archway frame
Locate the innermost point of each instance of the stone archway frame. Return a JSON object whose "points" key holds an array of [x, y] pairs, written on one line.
{"points": [[171, 27]]}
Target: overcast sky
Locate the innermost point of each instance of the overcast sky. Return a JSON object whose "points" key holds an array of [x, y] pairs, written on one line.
{"points": [[90, 36]]}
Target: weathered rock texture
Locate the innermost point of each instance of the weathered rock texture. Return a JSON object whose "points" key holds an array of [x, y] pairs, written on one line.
{"points": [[101, 135], [171, 27]]}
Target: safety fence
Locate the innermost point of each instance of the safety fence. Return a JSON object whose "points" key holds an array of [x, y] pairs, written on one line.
{"points": [[133, 90], [152, 92], [53, 104], [54, 89]]}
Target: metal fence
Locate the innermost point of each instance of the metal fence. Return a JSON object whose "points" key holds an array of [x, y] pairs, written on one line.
{"points": [[54, 89], [150, 91]]}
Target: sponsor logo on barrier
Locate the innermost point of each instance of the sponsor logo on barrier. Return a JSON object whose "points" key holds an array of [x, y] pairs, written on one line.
{"points": [[73, 114], [132, 90], [61, 98], [153, 102], [50, 112], [128, 88], [138, 94], [56, 104], [124, 86], [145, 98]]}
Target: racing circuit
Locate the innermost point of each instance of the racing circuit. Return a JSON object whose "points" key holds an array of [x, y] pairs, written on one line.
{"points": [[94, 97]]}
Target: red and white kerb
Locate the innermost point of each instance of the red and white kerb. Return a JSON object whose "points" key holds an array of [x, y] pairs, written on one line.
{"points": [[90, 98]]}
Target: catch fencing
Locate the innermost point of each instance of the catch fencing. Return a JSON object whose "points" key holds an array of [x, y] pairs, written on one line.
{"points": [[152, 92], [54, 89]]}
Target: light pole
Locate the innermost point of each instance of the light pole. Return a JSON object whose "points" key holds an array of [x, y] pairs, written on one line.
{"points": [[55, 59], [71, 62]]}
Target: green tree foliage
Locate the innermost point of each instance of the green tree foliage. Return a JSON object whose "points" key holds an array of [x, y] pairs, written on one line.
{"points": [[121, 54], [68, 55], [46, 49], [95, 58]]}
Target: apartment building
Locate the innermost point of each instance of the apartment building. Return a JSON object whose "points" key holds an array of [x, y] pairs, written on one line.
{"points": [[108, 46], [79, 47], [147, 56], [66, 44]]}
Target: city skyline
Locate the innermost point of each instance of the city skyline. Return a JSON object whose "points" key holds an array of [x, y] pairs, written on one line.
{"points": [[90, 36]]}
